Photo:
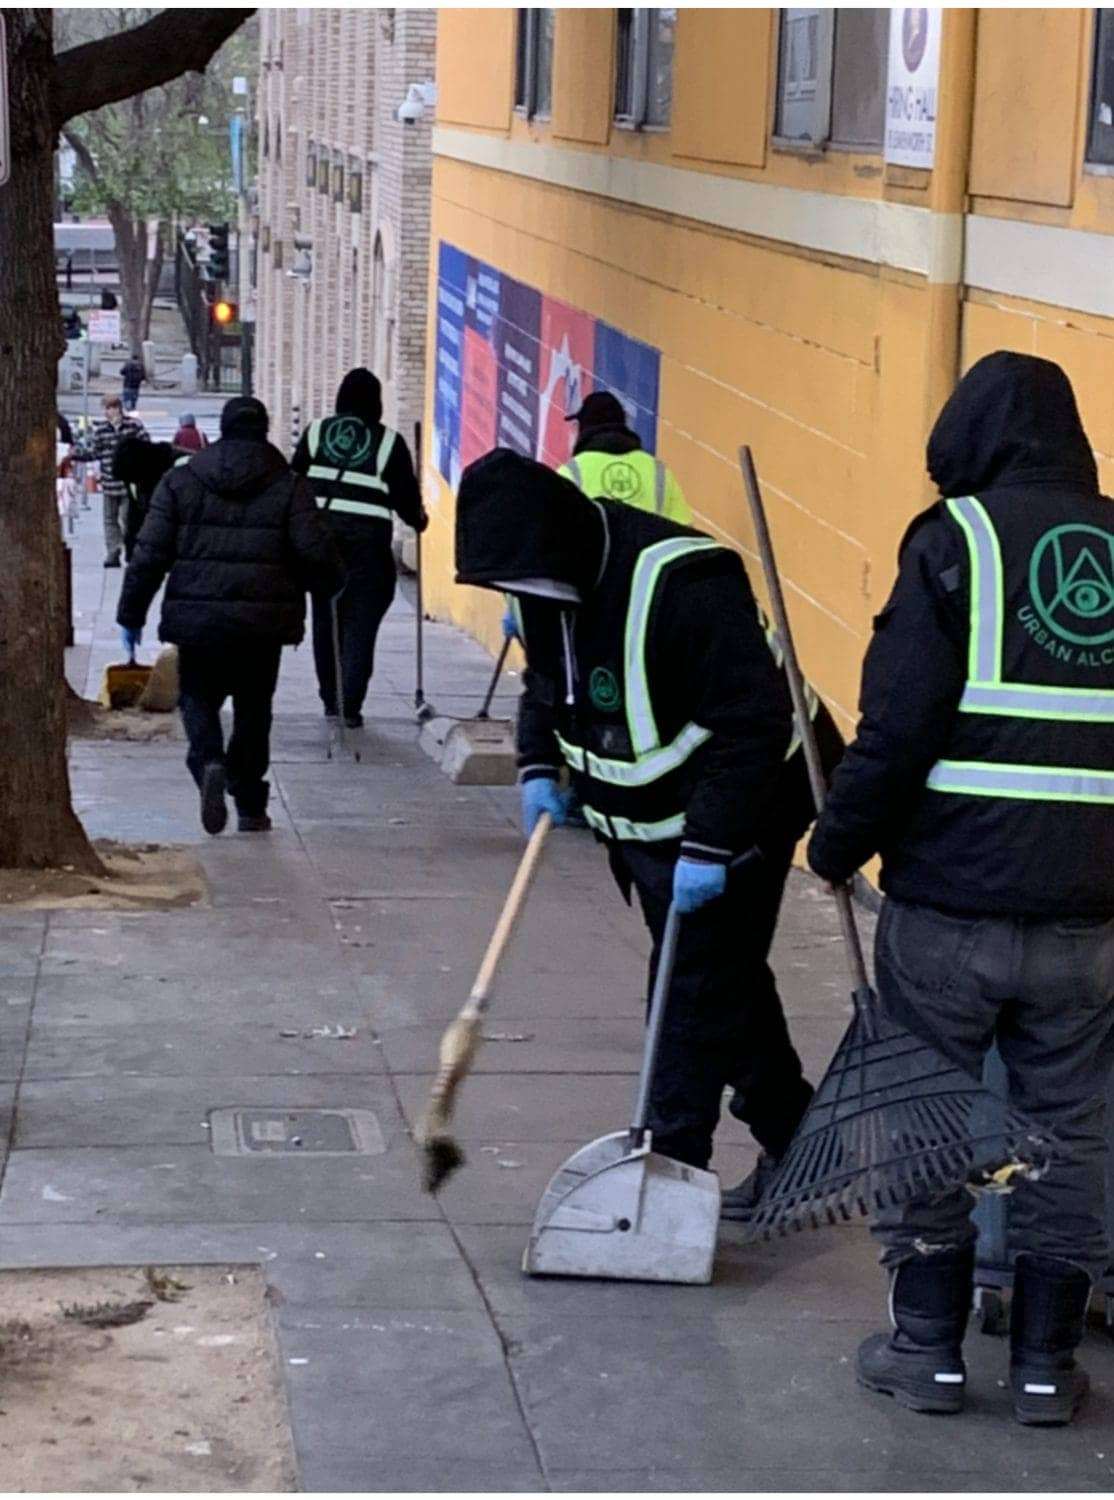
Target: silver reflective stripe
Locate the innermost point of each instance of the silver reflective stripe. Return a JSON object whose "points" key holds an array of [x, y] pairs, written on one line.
{"points": [[347, 476], [313, 432], [1025, 701], [649, 767], [623, 828], [356, 508], [1027, 783], [640, 714], [574, 473], [386, 447], [659, 486], [987, 606]]}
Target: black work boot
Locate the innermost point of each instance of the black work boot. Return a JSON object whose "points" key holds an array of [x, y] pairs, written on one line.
{"points": [[214, 809], [738, 1204], [921, 1364], [1047, 1315]]}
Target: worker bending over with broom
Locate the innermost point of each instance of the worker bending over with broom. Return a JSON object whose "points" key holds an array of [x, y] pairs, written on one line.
{"points": [[982, 774], [651, 677]]}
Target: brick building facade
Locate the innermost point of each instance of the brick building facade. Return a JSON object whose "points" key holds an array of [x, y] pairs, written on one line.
{"points": [[339, 170]]}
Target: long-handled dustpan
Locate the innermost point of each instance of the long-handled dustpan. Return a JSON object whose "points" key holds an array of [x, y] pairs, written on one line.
{"points": [[480, 751], [616, 1209]]}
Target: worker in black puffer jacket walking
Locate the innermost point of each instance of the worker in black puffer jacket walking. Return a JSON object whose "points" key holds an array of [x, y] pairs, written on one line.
{"points": [[240, 537]]}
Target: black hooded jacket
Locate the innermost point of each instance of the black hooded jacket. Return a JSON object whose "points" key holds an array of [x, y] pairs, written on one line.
{"points": [[1010, 434], [241, 540], [360, 395], [141, 465], [707, 659]]}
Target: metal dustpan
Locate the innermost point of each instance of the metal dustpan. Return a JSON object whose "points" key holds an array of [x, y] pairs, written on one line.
{"points": [[479, 751], [618, 1210]]}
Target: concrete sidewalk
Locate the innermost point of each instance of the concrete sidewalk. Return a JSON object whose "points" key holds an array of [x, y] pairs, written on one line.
{"points": [[417, 1357]]}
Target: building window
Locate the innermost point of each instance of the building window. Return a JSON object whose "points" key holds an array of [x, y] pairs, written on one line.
{"points": [[644, 66], [1100, 146], [533, 69], [832, 77]]}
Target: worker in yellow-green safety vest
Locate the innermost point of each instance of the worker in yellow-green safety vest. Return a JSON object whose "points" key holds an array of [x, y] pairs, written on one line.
{"points": [[652, 679], [983, 773], [362, 475]]}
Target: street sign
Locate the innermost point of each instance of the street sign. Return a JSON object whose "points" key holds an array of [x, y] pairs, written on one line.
{"points": [[5, 151], [104, 325]]}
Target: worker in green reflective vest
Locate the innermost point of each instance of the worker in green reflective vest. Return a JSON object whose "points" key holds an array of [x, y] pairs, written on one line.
{"points": [[652, 677], [362, 475], [983, 772], [608, 461]]}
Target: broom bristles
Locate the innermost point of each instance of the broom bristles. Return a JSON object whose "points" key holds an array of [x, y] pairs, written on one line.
{"points": [[441, 1155]]}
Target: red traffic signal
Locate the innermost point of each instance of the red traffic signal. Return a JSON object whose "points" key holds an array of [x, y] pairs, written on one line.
{"points": [[224, 312]]}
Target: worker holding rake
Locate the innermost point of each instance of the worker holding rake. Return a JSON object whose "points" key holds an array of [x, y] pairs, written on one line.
{"points": [[982, 773], [651, 677]]}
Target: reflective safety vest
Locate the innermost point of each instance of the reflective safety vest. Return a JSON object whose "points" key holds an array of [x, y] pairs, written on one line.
{"points": [[637, 479], [341, 449], [650, 775], [1068, 588]]}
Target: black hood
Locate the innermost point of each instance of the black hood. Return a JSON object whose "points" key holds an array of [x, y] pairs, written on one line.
{"points": [[360, 395], [239, 468], [1012, 419], [618, 439], [518, 520], [138, 462]]}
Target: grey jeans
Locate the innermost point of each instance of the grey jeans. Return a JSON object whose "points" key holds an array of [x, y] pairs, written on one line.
{"points": [[1045, 991], [115, 511]]}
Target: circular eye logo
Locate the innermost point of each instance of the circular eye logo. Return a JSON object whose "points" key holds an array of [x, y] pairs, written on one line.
{"points": [[621, 482], [1071, 579], [914, 37], [346, 442], [604, 690]]}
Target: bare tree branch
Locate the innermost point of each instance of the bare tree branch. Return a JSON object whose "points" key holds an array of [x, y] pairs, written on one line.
{"points": [[171, 43], [81, 151]]}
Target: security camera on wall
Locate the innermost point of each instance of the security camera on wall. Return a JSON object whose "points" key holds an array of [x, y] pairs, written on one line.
{"points": [[413, 107]]}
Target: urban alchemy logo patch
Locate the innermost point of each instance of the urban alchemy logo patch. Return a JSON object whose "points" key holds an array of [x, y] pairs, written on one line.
{"points": [[345, 442], [1071, 584], [604, 690], [621, 481]]}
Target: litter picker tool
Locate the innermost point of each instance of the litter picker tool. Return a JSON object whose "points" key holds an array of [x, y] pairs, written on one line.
{"points": [[340, 729], [892, 1118], [441, 1155], [618, 1210], [423, 709]]}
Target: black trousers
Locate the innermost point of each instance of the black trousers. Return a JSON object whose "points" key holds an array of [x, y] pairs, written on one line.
{"points": [[1045, 991], [366, 599], [724, 1023], [248, 675]]}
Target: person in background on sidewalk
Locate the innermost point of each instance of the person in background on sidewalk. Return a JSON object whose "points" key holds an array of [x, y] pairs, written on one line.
{"points": [[981, 772], [652, 677], [189, 437], [362, 474], [141, 465], [132, 376], [237, 536], [101, 445]]}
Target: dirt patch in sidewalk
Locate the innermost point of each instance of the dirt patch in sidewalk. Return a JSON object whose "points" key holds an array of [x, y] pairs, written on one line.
{"points": [[128, 1379], [92, 721], [141, 877]]}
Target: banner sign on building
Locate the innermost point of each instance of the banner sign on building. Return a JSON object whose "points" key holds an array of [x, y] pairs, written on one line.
{"points": [[512, 363], [911, 86]]}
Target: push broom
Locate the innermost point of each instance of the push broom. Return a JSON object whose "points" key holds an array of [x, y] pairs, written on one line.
{"points": [[892, 1118], [441, 1154]]}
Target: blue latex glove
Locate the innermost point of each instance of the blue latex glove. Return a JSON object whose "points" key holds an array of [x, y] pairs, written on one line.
{"points": [[131, 639], [696, 883], [510, 626], [542, 795]]}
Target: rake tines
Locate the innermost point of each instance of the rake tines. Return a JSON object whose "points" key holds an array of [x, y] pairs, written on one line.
{"points": [[891, 1120]]}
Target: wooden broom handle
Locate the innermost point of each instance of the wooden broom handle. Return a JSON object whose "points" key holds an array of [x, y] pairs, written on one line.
{"points": [[512, 906]]}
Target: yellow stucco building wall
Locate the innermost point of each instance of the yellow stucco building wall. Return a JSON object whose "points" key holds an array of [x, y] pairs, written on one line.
{"points": [[816, 304]]}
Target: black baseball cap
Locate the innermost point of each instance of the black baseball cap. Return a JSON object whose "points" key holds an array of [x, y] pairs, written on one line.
{"points": [[600, 409]]}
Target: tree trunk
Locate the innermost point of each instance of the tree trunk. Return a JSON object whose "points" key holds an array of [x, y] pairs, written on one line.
{"points": [[38, 827], [131, 257]]}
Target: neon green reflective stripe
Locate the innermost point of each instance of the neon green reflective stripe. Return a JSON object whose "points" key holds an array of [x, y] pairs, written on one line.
{"points": [[984, 651], [640, 772], [571, 470], [1025, 783], [185, 458], [1022, 700], [640, 714], [516, 611], [347, 476], [355, 508], [623, 828]]}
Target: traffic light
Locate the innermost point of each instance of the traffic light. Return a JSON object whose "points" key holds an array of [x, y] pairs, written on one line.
{"points": [[218, 251], [224, 312]]}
